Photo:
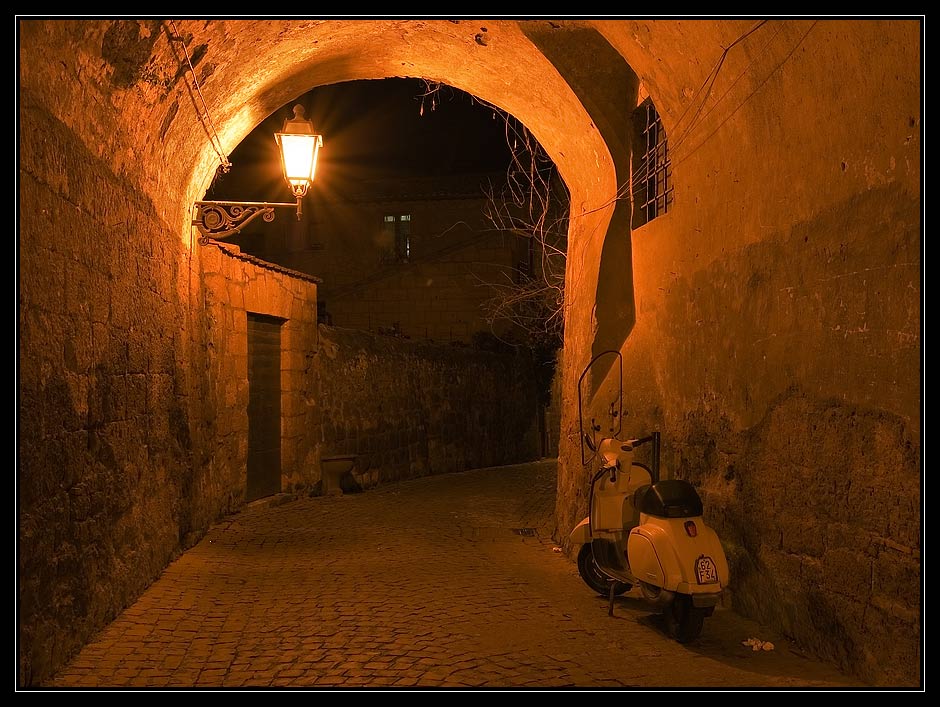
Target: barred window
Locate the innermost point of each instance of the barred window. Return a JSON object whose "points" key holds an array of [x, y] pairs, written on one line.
{"points": [[652, 166]]}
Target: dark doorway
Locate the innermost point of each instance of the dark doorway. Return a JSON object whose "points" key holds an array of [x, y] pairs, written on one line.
{"points": [[264, 406]]}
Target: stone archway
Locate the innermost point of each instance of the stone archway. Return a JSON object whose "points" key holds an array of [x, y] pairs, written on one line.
{"points": [[118, 131], [779, 301]]}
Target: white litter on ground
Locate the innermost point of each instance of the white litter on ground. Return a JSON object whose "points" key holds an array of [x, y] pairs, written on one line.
{"points": [[757, 644]]}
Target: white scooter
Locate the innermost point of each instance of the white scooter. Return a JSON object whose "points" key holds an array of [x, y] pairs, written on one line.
{"points": [[646, 531]]}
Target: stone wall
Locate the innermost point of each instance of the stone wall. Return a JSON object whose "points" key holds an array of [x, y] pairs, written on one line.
{"points": [[237, 285], [406, 409], [777, 342], [409, 409], [443, 299], [106, 429]]}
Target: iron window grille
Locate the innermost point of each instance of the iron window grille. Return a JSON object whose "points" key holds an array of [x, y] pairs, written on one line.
{"points": [[652, 166]]}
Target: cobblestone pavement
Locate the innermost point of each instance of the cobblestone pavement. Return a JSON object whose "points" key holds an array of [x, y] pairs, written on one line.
{"points": [[421, 583]]}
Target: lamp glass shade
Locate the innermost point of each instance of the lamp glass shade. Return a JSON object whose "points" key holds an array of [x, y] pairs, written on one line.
{"points": [[299, 158], [299, 149]]}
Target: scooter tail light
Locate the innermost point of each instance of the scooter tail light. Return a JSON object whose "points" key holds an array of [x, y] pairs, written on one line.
{"points": [[690, 528]]}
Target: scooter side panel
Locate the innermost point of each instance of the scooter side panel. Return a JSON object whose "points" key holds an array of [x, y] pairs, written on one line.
{"points": [[676, 553], [712, 547], [645, 561], [688, 551]]}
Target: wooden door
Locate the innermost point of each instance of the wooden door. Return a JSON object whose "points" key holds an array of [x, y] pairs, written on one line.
{"points": [[264, 406]]}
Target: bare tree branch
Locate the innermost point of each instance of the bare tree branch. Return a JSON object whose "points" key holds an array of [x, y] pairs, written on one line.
{"points": [[527, 302]]}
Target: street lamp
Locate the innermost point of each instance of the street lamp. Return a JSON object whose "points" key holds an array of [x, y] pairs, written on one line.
{"points": [[299, 147]]}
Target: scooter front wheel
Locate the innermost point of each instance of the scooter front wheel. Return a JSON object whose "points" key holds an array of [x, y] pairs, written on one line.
{"points": [[592, 575]]}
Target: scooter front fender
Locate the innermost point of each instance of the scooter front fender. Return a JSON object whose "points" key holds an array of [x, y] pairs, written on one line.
{"points": [[581, 533]]}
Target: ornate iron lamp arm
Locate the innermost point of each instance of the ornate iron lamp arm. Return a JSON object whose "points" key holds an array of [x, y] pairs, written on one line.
{"points": [[220, 219]]}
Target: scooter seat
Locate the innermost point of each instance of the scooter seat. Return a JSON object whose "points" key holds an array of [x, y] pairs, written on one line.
{"points": [[668, 498]]}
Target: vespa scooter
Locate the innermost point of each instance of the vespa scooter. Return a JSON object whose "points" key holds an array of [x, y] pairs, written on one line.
{"points": [[643, 530]]}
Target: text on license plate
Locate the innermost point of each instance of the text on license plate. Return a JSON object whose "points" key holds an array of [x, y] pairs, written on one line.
{"points": [[705, 570]]}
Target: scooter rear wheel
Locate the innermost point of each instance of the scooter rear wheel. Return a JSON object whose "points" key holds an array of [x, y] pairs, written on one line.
{"points": [[592, 575], [683, 621]]}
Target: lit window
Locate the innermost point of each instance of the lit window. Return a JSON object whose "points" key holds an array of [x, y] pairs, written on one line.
{"points": [[652, 166], [398, 231]]}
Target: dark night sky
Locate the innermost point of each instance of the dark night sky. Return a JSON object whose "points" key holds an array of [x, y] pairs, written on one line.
{"points": [[373, 129]]}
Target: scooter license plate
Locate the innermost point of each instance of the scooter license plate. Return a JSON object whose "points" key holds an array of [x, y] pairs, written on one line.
{"points": [[705, 570]]}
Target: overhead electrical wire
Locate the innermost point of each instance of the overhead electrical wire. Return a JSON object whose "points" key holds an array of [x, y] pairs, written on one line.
{"points": [[202, 113]]}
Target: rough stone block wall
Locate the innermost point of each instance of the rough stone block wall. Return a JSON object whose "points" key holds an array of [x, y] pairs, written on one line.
{"points": [[441, 298], [833, 557], [132, 390], [236, 285], [819, 496], [411, 409], [777, 341], [105, 448]]}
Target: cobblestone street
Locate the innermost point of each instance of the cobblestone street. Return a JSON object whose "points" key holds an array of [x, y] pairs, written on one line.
{"points": [[443, 581]]}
